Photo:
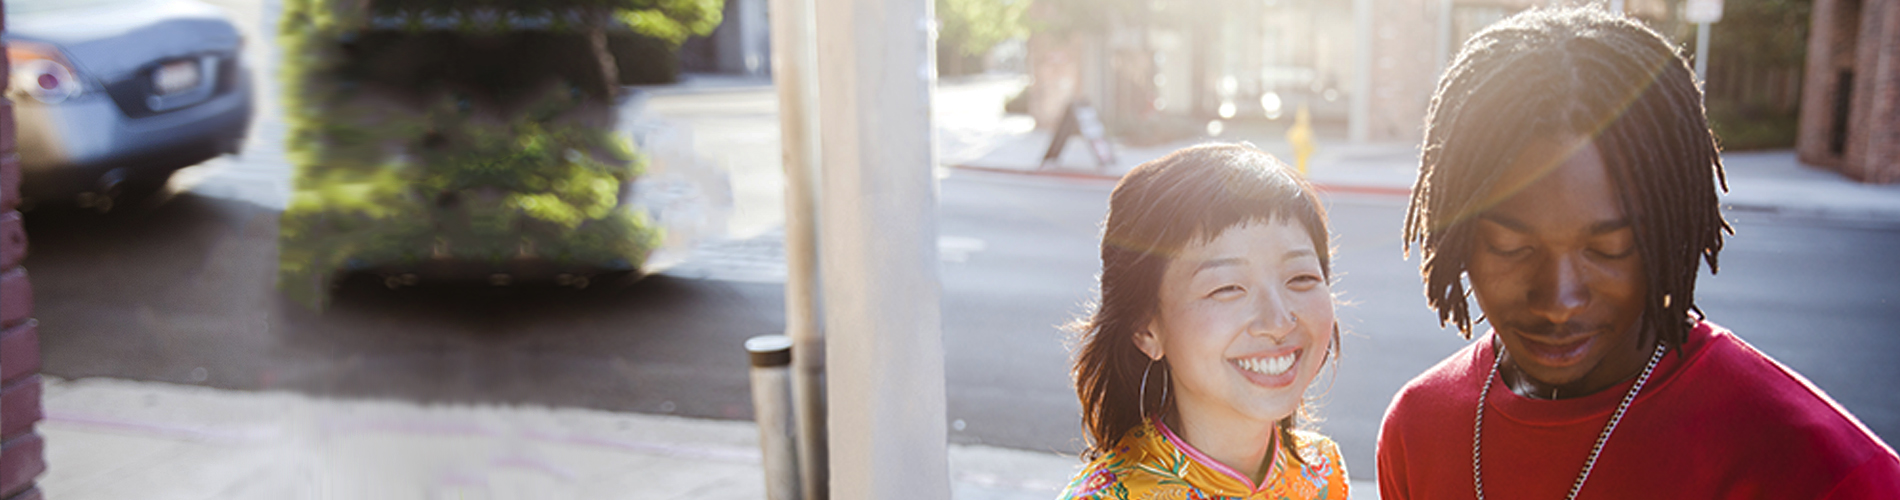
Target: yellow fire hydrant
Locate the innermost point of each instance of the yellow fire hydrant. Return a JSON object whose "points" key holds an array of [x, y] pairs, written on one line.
{"points": [[1301, 136]]}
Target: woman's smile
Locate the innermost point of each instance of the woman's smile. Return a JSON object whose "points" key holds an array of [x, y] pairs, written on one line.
{"points": [[1271, 370]]}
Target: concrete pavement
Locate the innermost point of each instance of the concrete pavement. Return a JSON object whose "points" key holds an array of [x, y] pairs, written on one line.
{"points": [[114, 439]]}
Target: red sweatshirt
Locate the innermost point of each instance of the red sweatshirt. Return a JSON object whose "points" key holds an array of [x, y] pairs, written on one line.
{"points": [[1717, 419]]}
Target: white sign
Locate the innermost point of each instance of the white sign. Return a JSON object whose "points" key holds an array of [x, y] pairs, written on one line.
{"points": [[1702, 11]]}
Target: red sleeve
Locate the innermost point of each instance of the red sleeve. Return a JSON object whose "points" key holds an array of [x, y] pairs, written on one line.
{"points": [[1391, 458], [1390, 454], [1878, 478], [1413, 446]]}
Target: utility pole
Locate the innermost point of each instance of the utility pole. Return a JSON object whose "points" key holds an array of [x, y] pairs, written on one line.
{"points": [[1446, 45], [883, 322], [794, 66], [1702, 13], [1702, 54]]}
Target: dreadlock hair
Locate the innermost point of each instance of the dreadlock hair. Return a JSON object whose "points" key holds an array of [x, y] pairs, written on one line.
{"points": [[1578, 72], [1159, 208]]}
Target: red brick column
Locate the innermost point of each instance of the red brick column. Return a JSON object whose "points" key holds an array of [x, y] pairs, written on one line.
{"points": [[1871, 139], [1861, 37], [22, 452]]}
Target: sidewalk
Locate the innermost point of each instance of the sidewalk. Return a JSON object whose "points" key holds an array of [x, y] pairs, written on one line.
{"points": [[116, 439], [1759, 181]]}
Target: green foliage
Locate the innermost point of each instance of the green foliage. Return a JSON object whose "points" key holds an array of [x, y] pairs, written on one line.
{"points": [[644, 60], [974, 26], [394, 177], [1757, 37], [670, 21], [674, 20], [1772, 33], [1742, 126]]}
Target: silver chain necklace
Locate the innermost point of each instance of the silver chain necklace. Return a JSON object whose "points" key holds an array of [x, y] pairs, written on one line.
{"points": [[1477, 432]]}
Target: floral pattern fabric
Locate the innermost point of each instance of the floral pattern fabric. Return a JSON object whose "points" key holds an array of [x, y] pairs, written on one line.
{"points": [[1148, 464]]}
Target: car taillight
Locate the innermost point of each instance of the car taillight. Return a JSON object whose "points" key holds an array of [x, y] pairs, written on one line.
{"points": [[39, 71]]}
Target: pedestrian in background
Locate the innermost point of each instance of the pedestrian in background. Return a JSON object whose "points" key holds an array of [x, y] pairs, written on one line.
{"points": [[1570, 178], [1216, 313]]}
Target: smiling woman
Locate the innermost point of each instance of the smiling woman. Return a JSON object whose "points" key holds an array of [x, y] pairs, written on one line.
{"points": [[1216, 314]]}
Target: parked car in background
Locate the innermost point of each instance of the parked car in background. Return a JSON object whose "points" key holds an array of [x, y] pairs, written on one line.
{"points": [[112, 96]]}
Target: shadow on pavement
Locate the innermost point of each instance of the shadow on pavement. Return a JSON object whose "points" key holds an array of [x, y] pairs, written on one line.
{"points": [[182, 290]]}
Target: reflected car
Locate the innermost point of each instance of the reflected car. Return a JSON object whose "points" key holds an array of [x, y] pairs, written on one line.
{"points": [[112, 96]]}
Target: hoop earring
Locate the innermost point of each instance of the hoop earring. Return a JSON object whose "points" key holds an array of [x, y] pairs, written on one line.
{"points": [[1142, 402], [1165, 379]]}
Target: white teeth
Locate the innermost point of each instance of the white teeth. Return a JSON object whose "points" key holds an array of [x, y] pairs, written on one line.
{"points": [[1269, 366]]}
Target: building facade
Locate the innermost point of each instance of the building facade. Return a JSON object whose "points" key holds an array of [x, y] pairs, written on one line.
{"points": [[1850, 100], [1369, 64]]}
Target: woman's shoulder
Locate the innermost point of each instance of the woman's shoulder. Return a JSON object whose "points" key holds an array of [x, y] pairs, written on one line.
{"points": [[1320, 472], [1108, 476], [1098, 480], [1315, 445]]}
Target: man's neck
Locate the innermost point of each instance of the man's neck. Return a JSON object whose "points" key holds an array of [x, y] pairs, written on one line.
{"points": [[1621, 366]]}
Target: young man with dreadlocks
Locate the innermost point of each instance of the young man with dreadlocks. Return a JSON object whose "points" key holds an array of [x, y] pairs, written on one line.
{"points": [[1569, 176]]}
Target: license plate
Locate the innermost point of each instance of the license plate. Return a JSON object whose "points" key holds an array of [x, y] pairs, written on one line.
{"points": [[175, 77]]}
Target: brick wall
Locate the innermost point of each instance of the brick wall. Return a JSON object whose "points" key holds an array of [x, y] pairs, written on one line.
{"points": [[22, 452], [1861, 37], [1871, 147]]}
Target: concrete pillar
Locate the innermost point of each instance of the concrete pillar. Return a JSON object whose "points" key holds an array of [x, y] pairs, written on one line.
{"points": [[794, 66], [883, 327]]}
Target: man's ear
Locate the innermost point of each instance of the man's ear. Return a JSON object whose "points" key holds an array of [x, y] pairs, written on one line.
{"points": [[1147, 341]]}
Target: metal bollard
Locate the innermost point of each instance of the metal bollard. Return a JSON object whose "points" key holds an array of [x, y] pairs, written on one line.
{"points": [[772, 409]]}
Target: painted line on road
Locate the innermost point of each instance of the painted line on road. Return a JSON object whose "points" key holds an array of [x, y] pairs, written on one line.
{"points": [[1070, 174]]}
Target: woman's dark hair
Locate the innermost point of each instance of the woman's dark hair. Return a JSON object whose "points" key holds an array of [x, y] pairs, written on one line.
{"points": [[1159, 208], [1545, 74]]}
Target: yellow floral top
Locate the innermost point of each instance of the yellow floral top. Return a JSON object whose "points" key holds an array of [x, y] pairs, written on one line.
{"points": [[1151, 463]]}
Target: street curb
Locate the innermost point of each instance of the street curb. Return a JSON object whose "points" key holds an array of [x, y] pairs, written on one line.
{"points": [[1076, 174], [1372, 190], [1872, 218]]}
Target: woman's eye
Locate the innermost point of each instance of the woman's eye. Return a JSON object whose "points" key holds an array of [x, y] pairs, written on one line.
{"points": [[1305, 280], [1229, 289]]}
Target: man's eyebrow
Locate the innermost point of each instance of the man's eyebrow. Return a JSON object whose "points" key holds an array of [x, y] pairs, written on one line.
{"points": [[1507, 222], [1610, 226]]}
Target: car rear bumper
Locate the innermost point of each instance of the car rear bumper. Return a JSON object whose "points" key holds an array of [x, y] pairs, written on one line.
{"points": [[78, 145]]}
